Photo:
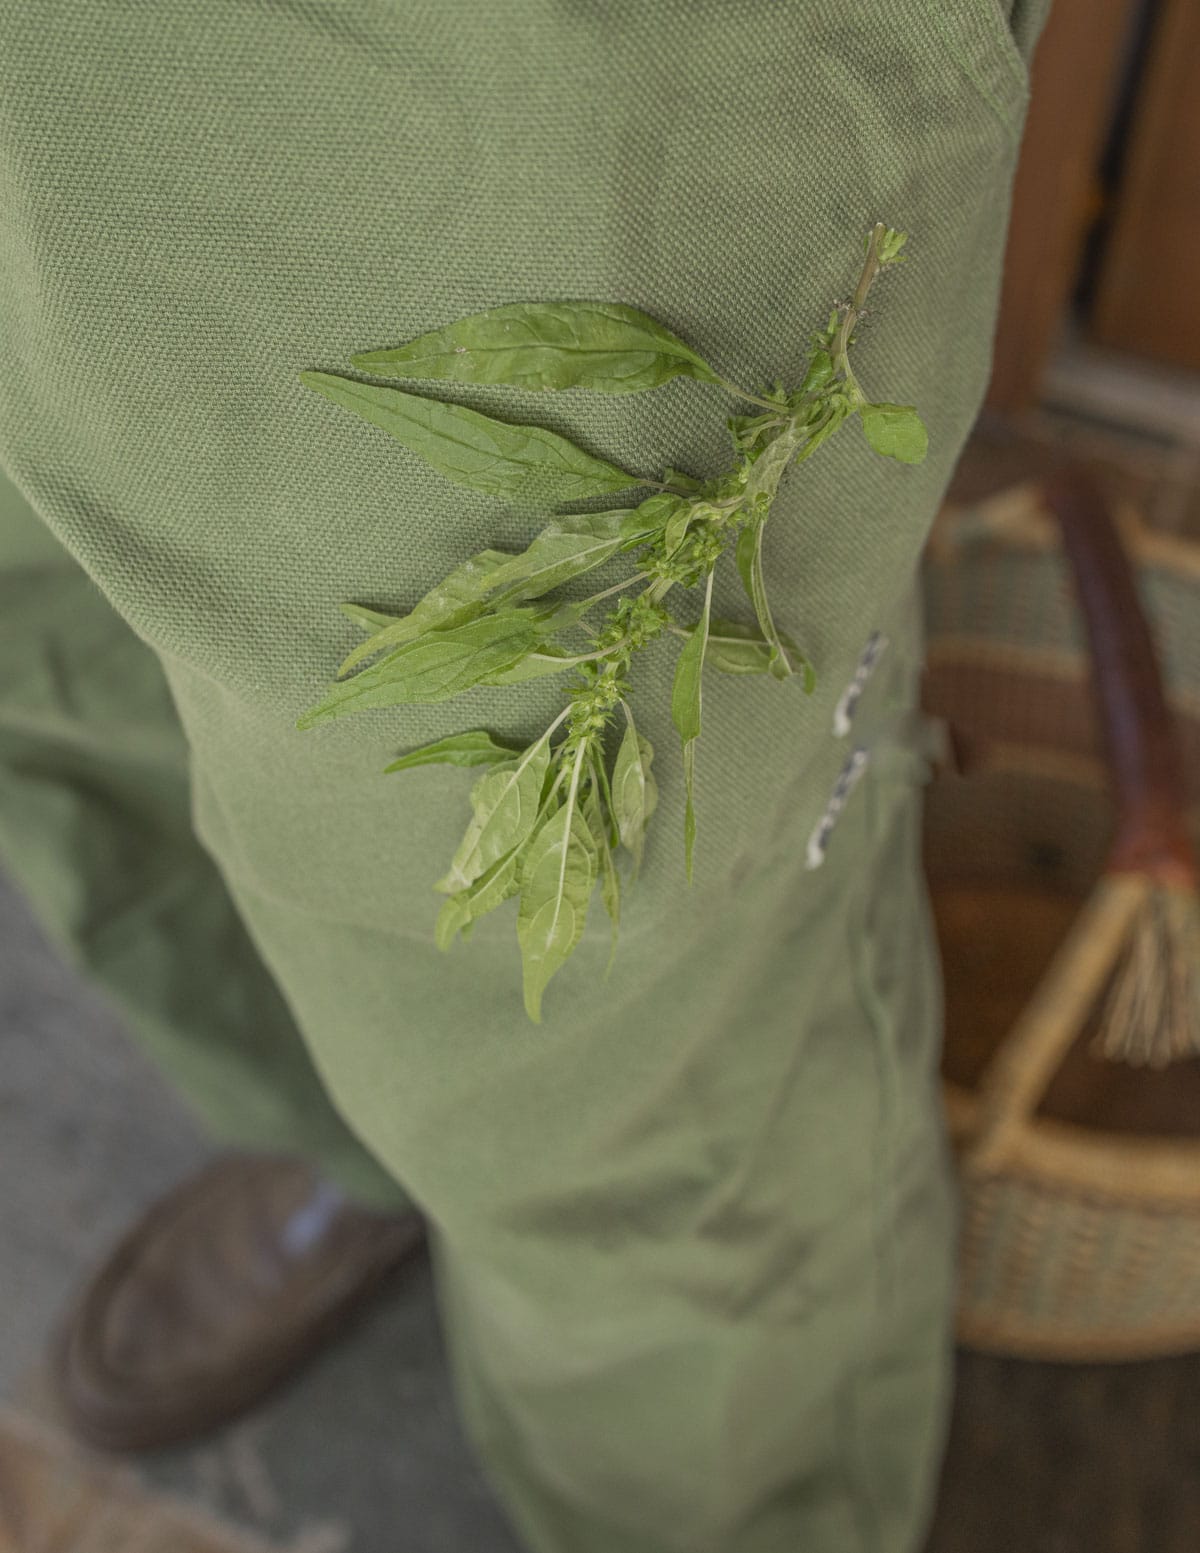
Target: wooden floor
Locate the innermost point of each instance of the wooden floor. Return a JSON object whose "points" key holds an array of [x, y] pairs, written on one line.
{"points": [[1047, 1458], [1042, 1459]]}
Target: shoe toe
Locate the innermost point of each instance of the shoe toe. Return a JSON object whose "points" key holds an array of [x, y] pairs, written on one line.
{"points": [[212, 1298]]}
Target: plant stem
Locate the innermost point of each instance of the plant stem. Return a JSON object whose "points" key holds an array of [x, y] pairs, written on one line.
{"points": [[616, 588], [557, 723], [587, 657], [869, 271], [767, 404], [658, 590]]}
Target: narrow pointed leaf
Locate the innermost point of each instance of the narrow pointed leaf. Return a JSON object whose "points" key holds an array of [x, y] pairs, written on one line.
{"points": [[545, 661], [685, 691], [896, 431], [750, 569], [434, 667], [461, 749], [490, 890], [604, 346], [734, 648], [654, 514], [565, 549], [556, 617], [509, 462], [453, 919], [824, 428], [459, 597], [685, 482], [370, 620], [820, 370], [689, 814], [505, 804], [558, 872], [685, 713], [610, 883], [463, 595], [634, 791], [675, 531], [604, 792]]}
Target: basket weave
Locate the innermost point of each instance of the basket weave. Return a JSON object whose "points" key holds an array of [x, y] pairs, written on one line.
{"points": [[1080, 1178]]}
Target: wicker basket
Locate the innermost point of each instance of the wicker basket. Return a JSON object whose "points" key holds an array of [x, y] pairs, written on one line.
{"points": [[1080, 1177]]}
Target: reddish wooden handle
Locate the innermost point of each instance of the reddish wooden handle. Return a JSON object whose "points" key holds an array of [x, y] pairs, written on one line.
{"points": [[1139, 733]]}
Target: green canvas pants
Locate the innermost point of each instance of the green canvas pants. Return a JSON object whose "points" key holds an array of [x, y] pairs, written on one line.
{"points": [[694, 1234]]}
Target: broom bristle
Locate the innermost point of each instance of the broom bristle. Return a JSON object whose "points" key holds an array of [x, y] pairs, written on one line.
{"points": [[1151, 1016]]}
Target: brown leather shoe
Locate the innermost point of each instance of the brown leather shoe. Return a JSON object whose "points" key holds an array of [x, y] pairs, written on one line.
{"points": [[221, 1290]]}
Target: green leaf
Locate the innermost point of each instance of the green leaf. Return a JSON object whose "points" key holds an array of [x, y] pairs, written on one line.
{"points": [[491, 889], [890, 245], [685, 691], [685, 482], [509, 462], [461, 749], [634, 791], [472, 587], [567, 548], [558, 872], [675, 530], [836, 411], [604, 346], [505, 804], [610, 883], [557, 616], [734, 648], [455, 600], [454, 918], [820, 370], [370, 620], [689, 815], [434, 667], [750, 569], [685, 712], [896, 431], [604, 792], [655, 515], [545, 661]]}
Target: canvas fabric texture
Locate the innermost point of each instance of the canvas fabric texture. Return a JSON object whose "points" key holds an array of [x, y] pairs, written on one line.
{"points": [[694, 1234]]}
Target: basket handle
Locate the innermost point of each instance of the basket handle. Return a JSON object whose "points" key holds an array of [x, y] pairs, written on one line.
{"points": [[1151, 842], [1139, 734]]}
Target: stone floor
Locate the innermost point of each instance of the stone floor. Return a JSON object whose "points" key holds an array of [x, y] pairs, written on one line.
{"points": [[362, 1452]]}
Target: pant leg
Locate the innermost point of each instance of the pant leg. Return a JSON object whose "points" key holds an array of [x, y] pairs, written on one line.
{"points": [[95, 825], [694, 1233]]}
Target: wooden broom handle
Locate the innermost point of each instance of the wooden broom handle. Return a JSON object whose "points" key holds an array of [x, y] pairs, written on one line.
{"points": [[1139, 734], [1151, 841]]}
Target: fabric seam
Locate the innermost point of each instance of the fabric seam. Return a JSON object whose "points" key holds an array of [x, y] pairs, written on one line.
{"points": [[1011, 118]]}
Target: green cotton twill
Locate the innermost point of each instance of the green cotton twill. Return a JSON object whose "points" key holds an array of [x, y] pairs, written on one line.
{"points": [[693, 1234]]}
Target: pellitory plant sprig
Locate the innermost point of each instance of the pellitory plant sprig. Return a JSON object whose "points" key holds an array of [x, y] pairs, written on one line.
{"points": [[550, 821]]}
